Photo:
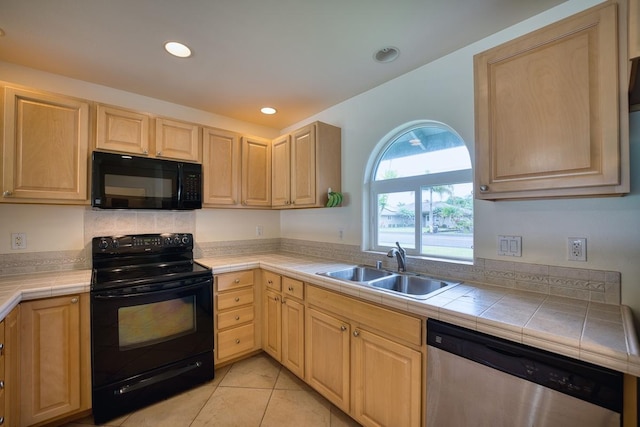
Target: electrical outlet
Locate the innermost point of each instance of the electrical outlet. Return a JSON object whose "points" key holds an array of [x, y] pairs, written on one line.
{"points": [[18, 240], [341, 233], [577, 247], [259, 230]]}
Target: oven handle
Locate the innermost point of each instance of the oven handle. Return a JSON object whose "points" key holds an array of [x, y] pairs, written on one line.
{"points": [[156, 379], [133, 293]]}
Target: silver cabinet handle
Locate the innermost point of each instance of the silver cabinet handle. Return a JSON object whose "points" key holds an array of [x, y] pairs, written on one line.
{"points": [[291, 288], [74, 300], [145, 152], [1, 385], [343, 328], [7, 193], [1, 348], [484, 188], [236, 281], [1, 420], [356, 333], [237, 341], [270, 282], [237, 299], [237, 317], [159, 153]]}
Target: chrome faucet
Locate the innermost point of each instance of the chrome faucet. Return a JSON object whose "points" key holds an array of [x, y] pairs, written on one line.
{"points": [[400, 255]]}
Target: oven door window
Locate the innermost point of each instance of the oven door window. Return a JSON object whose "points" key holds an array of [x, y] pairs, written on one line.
{"points": [[152, 323]]}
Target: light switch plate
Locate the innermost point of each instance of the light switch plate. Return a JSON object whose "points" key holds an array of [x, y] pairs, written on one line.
{"points": [[510, 245]]}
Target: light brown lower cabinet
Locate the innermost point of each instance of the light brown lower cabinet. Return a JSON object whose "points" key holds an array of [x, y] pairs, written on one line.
{"points": [[235, 330], [55, 358], [365, 359], [283, 325]]}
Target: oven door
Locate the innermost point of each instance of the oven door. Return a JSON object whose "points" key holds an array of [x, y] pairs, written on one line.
{"points": [[142, 328]]}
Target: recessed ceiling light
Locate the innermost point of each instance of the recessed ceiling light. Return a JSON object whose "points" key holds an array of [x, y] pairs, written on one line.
{"points": [[268, 110], [177, 49], [386, 54]]}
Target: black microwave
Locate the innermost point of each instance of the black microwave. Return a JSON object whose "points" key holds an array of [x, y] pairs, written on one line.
{"points": [[120, 181]]}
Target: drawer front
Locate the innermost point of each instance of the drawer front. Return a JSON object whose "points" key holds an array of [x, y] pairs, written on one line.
{"points": [[271, 280], [236, 341], [234, 299], [236, 279], [292, 287], [236, 317]]}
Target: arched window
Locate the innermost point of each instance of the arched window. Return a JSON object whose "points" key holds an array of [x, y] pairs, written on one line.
{"points": [[421, 193]]}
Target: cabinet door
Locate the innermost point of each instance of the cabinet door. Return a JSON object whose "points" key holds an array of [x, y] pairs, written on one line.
{"points": [[11, 368], [387, 380], [50, 358], [293, 336], [256, 172], [547, 111], [634, 29], [177, 140], [303, 166], [38, 129], [327, 356], [272, 333], [122, 130], [221, 167], [281, 172]]}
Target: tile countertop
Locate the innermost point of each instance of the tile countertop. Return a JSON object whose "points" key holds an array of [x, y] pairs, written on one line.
{"points": [[602, 334]]}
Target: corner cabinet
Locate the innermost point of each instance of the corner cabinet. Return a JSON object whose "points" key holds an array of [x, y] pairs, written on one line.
{"points": [[306, 164], [550, 111], [365, 359], [283, 325], [55, 358], [39, 127]]}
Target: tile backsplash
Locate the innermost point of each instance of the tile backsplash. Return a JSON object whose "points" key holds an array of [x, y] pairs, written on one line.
{"points": [[584, 284]]}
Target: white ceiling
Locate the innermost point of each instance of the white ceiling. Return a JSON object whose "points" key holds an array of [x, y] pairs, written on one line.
{"points": [[299, 56]]}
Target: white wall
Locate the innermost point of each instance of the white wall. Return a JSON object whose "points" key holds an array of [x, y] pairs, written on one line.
{"points": [[443, 91]]}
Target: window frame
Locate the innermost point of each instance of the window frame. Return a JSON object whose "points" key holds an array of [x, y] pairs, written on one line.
{"points": [[407, 184]]}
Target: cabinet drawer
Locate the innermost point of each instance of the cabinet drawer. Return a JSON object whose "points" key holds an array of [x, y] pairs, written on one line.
{"points": [[236, 341], [292, 287], [236, 279], [234, 317], [235, 298], [271, 280]]}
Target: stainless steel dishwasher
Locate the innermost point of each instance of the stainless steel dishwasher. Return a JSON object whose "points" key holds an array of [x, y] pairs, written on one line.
{"points": [[476, 380]]}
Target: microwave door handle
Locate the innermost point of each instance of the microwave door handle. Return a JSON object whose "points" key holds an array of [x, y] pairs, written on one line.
{"points": [[180, 180]]}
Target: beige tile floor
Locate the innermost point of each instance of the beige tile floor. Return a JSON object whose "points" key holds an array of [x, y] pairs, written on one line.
{"points": [[254, 392]]}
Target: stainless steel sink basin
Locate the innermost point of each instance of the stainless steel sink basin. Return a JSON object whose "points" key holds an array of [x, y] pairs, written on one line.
{"points": [[415, 286], [358, 274], [407, 284]]}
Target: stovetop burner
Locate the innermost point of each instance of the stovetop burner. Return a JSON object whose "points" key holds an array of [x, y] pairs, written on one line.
{"points": [[128, 260]]}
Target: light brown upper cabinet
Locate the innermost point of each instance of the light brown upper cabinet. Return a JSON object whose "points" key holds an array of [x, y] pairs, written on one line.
{"points": [[306, 164], [237, 170], [221, 166], [177, 140], [44, 148], [634, 29], [127, 131], [256, 172], [547, 107], [122, 130]]}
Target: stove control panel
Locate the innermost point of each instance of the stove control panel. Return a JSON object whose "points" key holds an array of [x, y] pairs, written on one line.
{"points": [[142, 242]]}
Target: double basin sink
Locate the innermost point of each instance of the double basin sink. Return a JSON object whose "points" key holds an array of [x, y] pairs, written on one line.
{"points": [[408, 284]]}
